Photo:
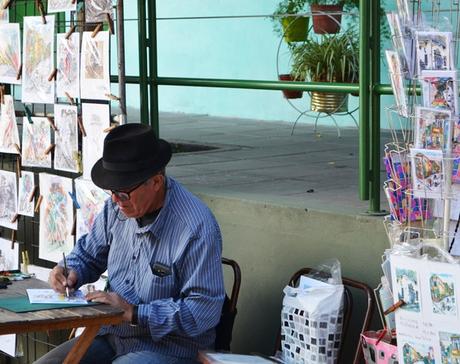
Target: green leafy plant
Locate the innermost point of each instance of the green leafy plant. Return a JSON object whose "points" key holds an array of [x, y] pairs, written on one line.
{"points": [[287, 7]]}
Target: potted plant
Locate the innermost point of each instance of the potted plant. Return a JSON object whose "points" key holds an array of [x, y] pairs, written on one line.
{"points": [[327, 14], [287, 22], [330, 58]]}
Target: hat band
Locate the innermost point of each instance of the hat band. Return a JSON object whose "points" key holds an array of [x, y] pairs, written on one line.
{"points": [[127, 166]]}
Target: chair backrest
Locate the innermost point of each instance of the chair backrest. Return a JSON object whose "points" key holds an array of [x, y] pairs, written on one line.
{"points": [[227, 319], [348, 310]]}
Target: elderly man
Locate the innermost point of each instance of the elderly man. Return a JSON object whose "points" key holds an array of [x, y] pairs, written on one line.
{"points": [[162, 249]]}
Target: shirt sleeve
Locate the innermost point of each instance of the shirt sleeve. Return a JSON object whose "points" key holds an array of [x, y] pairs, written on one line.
{"points": [[202, 294]]}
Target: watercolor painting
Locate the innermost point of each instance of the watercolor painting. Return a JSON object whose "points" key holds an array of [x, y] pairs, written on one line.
{"points": [[415, 352], [439, 90], [36, 138], [9, 258], [94, 73], [10, 53], [427, 173], [38, 52], [91, 200], [55, 6], [68, 65], [450, 347], [25, 197], [442, 291], [56, 217], [433, 128], [66, 138], [8, 199], [407, 289], [9, 135], [4, 14], [96, 10], [96, 118]]}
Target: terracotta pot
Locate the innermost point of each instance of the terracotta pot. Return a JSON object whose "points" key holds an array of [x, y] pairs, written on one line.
{"points": [[295, 28], [290, 94], [326, 23]]}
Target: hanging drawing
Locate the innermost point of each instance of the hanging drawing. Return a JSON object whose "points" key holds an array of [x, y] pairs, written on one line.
{"points": [[98, 10], [38, 52], [94, 72], [36, 138], [55, 6], [66, 138], [68, 65], [9, 255], [56, 217], [8, 199], [9, 135], [10, 53], [90, 199], [25, 195], [96, 118]]}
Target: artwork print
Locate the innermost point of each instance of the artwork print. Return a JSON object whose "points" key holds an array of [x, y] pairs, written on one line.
{"points": [[9, 135], [397, 82], [10, 53], [442, 289], [408, 289], [433, 51], [55, 6], [96, 118], [439, 90], [427, 172], [432, 128], [8, 199], [68, 65], [38, 52], [91, 200], [66, 138], [25, 195], [9, 258], [56, 217], [97, 10], [450, 347], [94, 73], [36, 138]]}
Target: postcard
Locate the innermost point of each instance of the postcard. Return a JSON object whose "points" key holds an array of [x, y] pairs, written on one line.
{"points": [[397, 82], [403, 43], [439, 90], [8, 199], [26, 197], [427, 173], [10, 53], [433, 128], [49, 296], [434, 51]]}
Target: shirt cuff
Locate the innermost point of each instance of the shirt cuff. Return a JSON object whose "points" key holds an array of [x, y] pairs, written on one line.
{"points": [[143, 315]]}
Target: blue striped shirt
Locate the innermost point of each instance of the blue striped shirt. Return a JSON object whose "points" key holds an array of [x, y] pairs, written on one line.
{"points": [[177, 312]]}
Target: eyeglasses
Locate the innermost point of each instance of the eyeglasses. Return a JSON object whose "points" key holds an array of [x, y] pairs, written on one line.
{"points": [[126, 195]]}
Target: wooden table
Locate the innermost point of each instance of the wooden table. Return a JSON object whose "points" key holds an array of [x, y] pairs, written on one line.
{"points": [[91, 317]]}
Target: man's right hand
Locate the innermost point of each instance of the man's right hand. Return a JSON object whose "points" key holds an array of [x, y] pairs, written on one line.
{"points": [[58, 281]]}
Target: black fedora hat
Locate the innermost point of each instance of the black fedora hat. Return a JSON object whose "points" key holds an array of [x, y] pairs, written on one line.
{"points": [[132, 153]]}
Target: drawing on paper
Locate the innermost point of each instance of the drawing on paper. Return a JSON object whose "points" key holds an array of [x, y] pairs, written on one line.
{"points": [[450, 347], [416, 352], [439, 90], [443, 294], [38, 49], [36, 138], [9, 258], [97, 10], [10, 53], [4, 15], [8, 199], [50, 296], [427, 176], [56, 217], [25, 197], [55, 6], [66, 138], [433, 128], [9, 135], [433, 51], [96, 118], [94, 73], [68, 65], [408, 289]]}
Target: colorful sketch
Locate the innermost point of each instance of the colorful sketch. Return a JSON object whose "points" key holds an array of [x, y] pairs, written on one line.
{"points": [[68, 65], [450, 347], [50, 296], [10, 53], [4, 14], [9, 258], [56, 217], [25, 196], [432, 128], [408, 289], [91, 200], [397, 82], [36, 138], [97, 10], [433, 51], [38, 52], [96, 118], [55, 6], [443, 294], [9, 135], [8, 199], [94, 73], [427, 173], [66, 138], [415, 352], [439, 89]]}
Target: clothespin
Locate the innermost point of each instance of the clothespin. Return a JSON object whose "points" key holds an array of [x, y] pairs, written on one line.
{"points": [[15, 218], [110, 128], [2, 94], [69, 33], [32, 194], [381, 336], [6, 4], [39, 5], [51, 121], [18, 167], [394, 307], [109, 22], [39, 201], [80, 125], [53, 75], [74, 226], [27, 258], [28, 114], [74, 200], [77, 159], [96, 30], [24, 265], [70, 98], [18, 148], [50, 148], [18, 75], [112, 97], [13, 238]]}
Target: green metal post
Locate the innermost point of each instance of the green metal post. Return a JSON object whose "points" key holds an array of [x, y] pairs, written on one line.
{"points": [[143, 75], [153, 67], [364, 97]]}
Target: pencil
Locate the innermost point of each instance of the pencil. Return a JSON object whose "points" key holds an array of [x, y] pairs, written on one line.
{"points": [[66, 273]]}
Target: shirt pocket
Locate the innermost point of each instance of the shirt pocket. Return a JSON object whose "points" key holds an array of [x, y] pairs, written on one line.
{"points": [[154, 287]]}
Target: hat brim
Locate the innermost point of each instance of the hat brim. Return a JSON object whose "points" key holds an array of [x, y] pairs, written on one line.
{"points": [[117, 180]]}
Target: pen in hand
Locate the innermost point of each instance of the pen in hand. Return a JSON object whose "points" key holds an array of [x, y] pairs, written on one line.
{"points": [[66, 274]]}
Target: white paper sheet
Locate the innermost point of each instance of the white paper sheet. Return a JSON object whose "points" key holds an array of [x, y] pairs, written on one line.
{"points": [[50, 296]]}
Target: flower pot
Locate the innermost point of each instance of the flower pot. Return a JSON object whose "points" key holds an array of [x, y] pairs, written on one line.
{"points": [[328, 102], [295, 28], [290, 94], [324, 23]]}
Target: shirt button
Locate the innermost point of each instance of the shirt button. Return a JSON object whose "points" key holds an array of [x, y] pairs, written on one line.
{"points": [[127, 281], [134, 257]]}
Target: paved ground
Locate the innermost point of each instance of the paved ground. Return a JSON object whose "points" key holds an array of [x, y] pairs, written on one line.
{"points": [[262, 161]]}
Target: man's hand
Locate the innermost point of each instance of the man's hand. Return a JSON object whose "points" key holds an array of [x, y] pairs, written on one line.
{"points": [[112, 299], [58, 281]]}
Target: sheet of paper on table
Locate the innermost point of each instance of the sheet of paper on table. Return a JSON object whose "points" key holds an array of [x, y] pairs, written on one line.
{"points": [[225, 358], [50, 296]]}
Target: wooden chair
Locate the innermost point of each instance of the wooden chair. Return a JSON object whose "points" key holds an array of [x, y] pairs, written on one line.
{"points": [[225, 327], [348, 310]]}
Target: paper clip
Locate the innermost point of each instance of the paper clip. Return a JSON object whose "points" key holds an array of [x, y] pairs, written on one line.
{"points": [[71, 30], [50, 120], [50, 148], [73, 196], [96, 30], [39, 201], [53, 75], [18, 75], [80, 124], [28, 114], [32, 194], [110, 128], [394, 307], [110, 23], [70, 98]]}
